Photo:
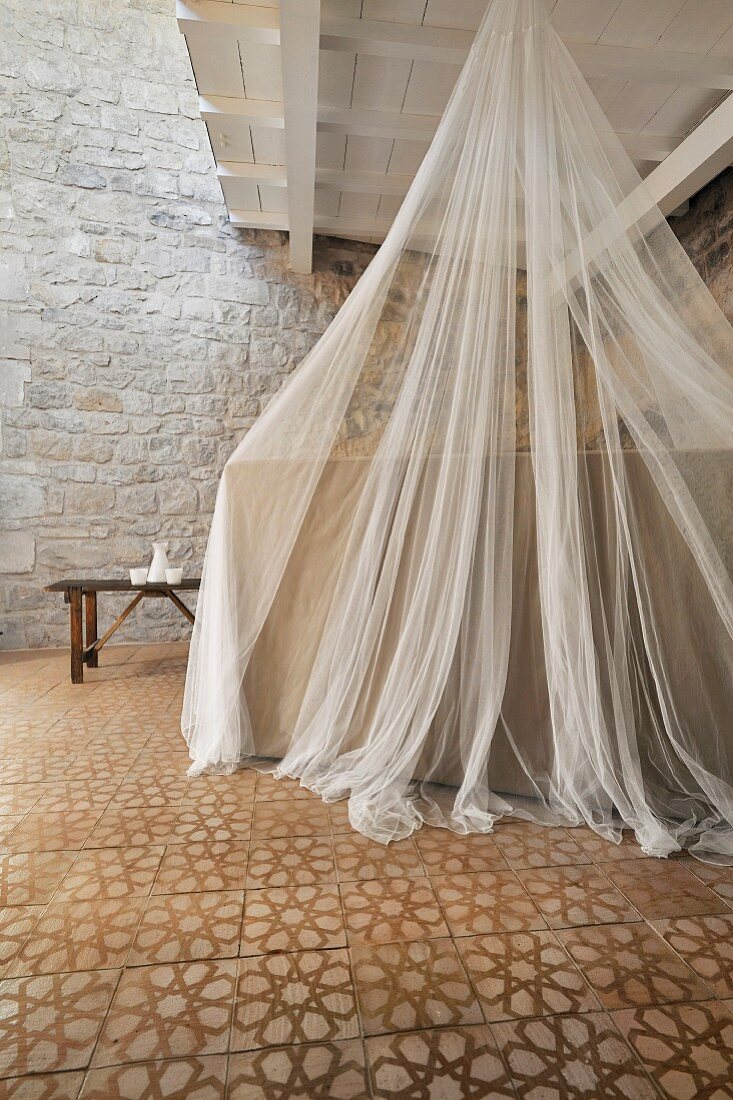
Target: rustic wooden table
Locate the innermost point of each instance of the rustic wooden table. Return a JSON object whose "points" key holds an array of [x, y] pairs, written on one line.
{"points": [[85, 651]]}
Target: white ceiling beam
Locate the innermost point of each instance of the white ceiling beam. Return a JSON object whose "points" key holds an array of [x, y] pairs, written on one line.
{"points": [[248, 22], [703, 155], [299, 36], [327, 179]]}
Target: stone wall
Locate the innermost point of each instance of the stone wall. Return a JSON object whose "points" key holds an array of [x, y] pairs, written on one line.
{"points": [[140, 334]]}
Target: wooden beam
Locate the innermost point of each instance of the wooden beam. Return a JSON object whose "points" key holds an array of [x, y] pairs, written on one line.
{"points": [[214, 19], [299, 31], [327, 179], [703, 155]]}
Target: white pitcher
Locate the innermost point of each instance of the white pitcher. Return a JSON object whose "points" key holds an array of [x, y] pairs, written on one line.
{"points": [[159, 564]]}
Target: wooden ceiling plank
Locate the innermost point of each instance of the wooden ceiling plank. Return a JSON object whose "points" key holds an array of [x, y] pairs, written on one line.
{"points": [[299, 47]]}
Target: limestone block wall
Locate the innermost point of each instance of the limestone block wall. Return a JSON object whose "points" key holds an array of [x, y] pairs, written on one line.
{"points": [[140, 334]]}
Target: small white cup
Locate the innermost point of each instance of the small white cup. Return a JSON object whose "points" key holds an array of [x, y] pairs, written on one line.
{"points": [[139, 576], [173, 576]]}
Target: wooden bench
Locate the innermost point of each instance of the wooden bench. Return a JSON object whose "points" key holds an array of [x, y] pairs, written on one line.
{"points": [[86, 591]]}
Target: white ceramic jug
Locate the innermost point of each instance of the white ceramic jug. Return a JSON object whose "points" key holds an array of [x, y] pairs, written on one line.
{"points": [[159, 564]]}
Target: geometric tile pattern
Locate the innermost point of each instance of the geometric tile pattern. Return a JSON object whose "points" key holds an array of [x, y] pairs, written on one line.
{"points": [[301, 997], [231, 937], [688, 1049], [524, 974], [404, 986], [324, 1070], [294, 918]]}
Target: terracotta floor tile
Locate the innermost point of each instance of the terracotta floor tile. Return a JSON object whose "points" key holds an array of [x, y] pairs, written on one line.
{"points": [[169, 1011], [524, 974], [303, 997], [568, 896], [52, 1022], [291, 817], [338, 817], [132, 828], [629, 964], [445, 853], [706, 945], [31, 878], [111, 873], [404, 986], [150, 792], [295, 861], [32, 770], [177, 927], [73, 935], [490, 901], [295, 918], [75, 795], [660, 888], [606, 851], [324, 1071], [269, 789], [7, 824], [16, 923], [718, 879], [524, 844], [230, 792], [51, 832], [442, 1064], [19, 798], [687, 1049], [359, 857], [42, 1086], [188, 868], [192, 1078], [394, 910], [99, 765], [205, 826], [571, 1058]]}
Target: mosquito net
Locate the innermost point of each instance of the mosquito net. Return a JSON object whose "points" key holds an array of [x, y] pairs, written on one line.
{"points": [[475, 557]]}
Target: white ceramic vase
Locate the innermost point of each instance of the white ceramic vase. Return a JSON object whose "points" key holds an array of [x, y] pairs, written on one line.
{"points": [[159, 564]]}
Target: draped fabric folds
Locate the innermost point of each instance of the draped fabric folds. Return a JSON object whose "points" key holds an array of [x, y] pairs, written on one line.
{"points": [[475, 558]]}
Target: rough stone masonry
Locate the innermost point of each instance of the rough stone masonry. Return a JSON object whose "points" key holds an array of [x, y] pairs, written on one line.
{"points": [[140, 334]]}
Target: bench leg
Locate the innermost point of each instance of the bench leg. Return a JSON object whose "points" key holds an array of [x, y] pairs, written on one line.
{"points": [[90, 607], [77, 637]]}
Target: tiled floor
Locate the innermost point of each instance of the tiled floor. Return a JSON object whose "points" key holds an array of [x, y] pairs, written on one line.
{"points": [[232, 936]]}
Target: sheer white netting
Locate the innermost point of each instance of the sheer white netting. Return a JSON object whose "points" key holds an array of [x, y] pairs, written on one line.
{"points": [[475, 558]]}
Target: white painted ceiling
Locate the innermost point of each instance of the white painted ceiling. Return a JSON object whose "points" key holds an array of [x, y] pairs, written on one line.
{"points": [[384, 71]]}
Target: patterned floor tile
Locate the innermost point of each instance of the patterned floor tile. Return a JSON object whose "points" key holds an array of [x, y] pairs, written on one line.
{"points": [[99, 765], [571, 1058], [338, 817], [326, 1071], [135, 793], [718, 879], [72, 935], [30, 878], [359, 857], [75, 795], [660, 888], [524, 844], [445, 853], [687, 1049], [200, 825], [16, 923], [568, 896], [444, 1064], [111, 873], [170, 1011], [605, 851], [629, 964], [291, 817], [394, 910], [132, 828], [52, 1022], [42, 1086], [19, 798], [524, 974], [52, 831], [7, 824], [269, 789], [706, 945], [405, 986], [296, 918], [219, 792], [188, 868], [192, 1078], [295, 998], [178, 927], [490, 901], [295, 861]]}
